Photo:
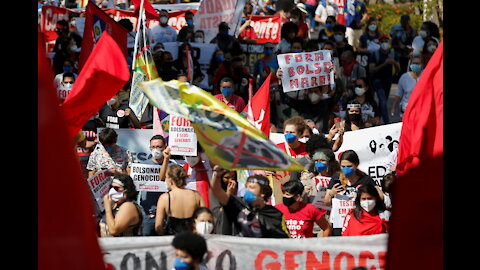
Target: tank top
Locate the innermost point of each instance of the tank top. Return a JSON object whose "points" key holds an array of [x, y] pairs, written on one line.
{"points": [[175, 225]]}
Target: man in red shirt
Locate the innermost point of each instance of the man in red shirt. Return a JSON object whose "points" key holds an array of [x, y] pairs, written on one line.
{"points": [[228, 97], [299, 215], [293, 128]]}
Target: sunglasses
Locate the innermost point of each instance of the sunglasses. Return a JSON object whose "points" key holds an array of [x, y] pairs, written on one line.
{"points": [[115, 187], [68, 82], [358, 85]]}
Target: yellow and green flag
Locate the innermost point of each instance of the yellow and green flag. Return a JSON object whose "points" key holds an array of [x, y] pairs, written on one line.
{"points": [[229, 140]]}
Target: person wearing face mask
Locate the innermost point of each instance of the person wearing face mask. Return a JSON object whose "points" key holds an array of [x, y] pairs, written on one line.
{"points": [[350, 70], [383, 64], [123, 216], [68, 66], [199, 36], [189, 19], [353, 120], [342, 189], [116, 114], [406, 84], [364, 95], [238, 73], [175, 208], [368, 217], [288, 33], [402, 37], [370, 34], [190, 251], [300, 216], [328, 8], [216, 61], [429, 48], [65, 86], [327, 32], [160, 153], [268, 64], [163, 32], [297, 16], [341, 43], [228, 97], [223, 39], [428, 30], [204, 221], [108, 155], [293, 128], [251, 215]]}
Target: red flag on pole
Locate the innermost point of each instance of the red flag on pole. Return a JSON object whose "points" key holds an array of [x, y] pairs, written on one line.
{"points": [[420, 169], [67, 236], [150, 12], [96, 22], [104, 74], [259, 105]]}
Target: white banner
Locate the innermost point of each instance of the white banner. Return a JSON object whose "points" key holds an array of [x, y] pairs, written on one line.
{"points": [[146, 177], [212, 12], [175, 7], [230, 252], [182, 138], [99, 184], [374, 146], [306, 70]]}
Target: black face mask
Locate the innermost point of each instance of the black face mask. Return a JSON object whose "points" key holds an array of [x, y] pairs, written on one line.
{"points": [[355, 117], [288, 201]]}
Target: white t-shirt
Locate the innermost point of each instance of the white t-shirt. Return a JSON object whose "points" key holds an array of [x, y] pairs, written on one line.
{"points": [[324, 12], [406, 83], [163, 34]]}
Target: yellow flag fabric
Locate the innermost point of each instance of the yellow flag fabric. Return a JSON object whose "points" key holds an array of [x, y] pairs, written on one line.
{"points": [[228, 139]]}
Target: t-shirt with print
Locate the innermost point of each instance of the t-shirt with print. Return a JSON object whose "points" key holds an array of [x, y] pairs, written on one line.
{"points": [[300, 222], [100, 159], [114, 118], [298, 152], [350, 190]]}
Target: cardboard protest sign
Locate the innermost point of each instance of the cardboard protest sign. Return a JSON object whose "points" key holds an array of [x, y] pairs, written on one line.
{"points": [[306, 70], [146, 177], [99, 184], [182, 138]]}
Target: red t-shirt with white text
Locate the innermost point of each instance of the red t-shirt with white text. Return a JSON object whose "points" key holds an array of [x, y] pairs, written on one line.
{"points": [[300, 222]]}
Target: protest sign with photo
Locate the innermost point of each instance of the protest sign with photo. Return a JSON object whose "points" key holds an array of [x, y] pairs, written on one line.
{"points": [[146, 177], [306, 70], [99, 184], [182, 139], [374, 147], [135, 140]]}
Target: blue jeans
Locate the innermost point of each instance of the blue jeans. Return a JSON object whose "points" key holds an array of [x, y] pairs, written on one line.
{"points": [[382, 88]]}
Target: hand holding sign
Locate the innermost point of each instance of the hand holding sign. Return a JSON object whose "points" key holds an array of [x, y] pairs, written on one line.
{"points": [[305, 70]]}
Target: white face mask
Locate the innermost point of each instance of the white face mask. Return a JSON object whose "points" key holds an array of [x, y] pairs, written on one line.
{"points": [[372, 27], [157, 153], [204, 227], [359, 91], [163, 19], [385, 46], [338, 38], [304, 139], [314, 97], [192, 161], [199, 40], [423, 33], [432, 48], [67, 86], [116, 195], [367, 205], [111, 101]]}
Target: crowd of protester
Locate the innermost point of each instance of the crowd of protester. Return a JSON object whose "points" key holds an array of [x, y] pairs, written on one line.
{"points": [[313, 121]]}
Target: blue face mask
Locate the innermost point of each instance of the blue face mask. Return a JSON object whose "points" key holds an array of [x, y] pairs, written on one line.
{"points": [[220, 58], [249, 196], [348, 171], [295, 51], [329, 26], [109, 148], [67, 69], [320, 166], [290, 137], [180, 265], [227, 92], [416, 68], [268, 52], [189, 22]]}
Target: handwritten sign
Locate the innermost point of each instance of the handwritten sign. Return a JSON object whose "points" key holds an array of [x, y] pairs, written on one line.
{"points": [[99, 184], [306, 70], [182, 138]]}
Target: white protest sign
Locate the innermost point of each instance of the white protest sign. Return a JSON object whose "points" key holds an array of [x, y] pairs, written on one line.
{"points": [[230, 252], [99, 184], [182, 138], [341, 205], [146, 177], [321, 191], [374, 147], [306, 70]]}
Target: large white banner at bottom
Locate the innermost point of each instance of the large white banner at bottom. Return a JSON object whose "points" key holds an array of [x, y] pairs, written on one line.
{"points": [[229, 252]]}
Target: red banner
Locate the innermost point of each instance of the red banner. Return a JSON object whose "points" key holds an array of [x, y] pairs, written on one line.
{"points": [[267, 28]]}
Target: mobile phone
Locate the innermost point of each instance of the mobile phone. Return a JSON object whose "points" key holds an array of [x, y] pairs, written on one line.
{"points": [[336, 181], [337, 120]]}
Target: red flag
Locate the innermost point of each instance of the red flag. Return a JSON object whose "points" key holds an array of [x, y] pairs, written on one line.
{"points": [[104, 74], [260, 106], [150, 12], [67, 236], [420, 169], [96, 22]]}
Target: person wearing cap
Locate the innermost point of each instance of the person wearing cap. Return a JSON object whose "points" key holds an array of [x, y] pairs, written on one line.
{"points": [[251, 215], [223, 39], [382, 64], [402, 37]]}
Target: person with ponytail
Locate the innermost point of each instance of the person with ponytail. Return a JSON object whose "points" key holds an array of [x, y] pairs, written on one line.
{"points": [[369, 215], [342, 189], [175, 208]]}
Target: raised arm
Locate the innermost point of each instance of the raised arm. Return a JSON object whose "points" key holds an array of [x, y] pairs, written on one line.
{"points": [[216, 187]]}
